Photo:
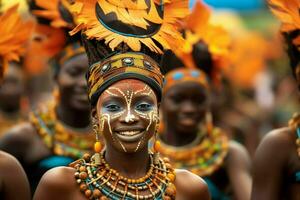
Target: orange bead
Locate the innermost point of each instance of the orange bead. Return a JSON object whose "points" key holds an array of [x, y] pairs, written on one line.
{"points": [[171, 177], [157, 145], [167, 198], [96, 193], [83, 187], [88, 193], [83, 175], [97, 147], [82, 169], [87, 157]]}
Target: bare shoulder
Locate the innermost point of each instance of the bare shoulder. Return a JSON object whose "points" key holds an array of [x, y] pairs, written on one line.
{"points": [[191, 186], [279, 142], [57, 183], [20, 136], [238, 154], [282, 136], [13, 178], [20, 133], [8, 162]]}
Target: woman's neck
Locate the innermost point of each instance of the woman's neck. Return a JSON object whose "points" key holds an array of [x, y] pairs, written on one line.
{"points": [[11, 112], [130, 165], [177, 138], [73, 118]]}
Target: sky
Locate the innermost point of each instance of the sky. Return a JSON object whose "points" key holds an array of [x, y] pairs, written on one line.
{"points": [[234, 4]]}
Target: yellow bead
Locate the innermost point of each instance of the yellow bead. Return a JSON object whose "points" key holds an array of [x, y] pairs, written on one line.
{"points": [[157, 145], [97, 147]]}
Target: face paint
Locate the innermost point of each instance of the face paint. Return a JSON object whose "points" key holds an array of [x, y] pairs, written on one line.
{"points": [[129, 111]]}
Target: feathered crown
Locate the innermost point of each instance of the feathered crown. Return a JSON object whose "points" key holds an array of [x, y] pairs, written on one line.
{"points": [[14, 35], [56, 11], [153, 23], [206, 45], [124, 38], [50, 37], [288, 12]]}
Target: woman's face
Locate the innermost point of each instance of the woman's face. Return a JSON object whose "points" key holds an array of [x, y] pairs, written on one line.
{"points": [[12, 88], [127, 113], [72, 84], [184, 107]]}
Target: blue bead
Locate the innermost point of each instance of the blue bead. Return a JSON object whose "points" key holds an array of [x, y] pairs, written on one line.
{"points": [[178, 76], [195, 74]]}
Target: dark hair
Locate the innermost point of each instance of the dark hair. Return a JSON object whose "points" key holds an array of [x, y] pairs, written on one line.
{"points": [[292, 50], [201, 56]]}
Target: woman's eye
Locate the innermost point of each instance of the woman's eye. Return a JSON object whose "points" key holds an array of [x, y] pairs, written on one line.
{"points": [[113, 108], [144, 107]]}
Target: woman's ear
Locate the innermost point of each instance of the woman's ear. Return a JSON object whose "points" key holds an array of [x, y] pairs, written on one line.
{"points": [[94, 114]]}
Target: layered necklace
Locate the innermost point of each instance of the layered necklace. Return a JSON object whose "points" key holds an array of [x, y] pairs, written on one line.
{"points": [[61, 139], [203, 156], [100, 181], [294, 123]]}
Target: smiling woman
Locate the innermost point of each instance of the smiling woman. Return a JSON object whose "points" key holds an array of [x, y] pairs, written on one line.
{"points": [[125, 87]]}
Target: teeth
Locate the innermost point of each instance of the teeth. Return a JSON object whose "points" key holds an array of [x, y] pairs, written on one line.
{"points": [[128, 133]]}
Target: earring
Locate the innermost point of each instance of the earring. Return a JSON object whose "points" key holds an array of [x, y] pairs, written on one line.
{"points": [[56, 94], [97, 145], [209, 122], [156, 146]]}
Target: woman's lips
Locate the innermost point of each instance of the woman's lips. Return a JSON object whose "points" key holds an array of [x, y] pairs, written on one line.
{"points": [[130, 136]]}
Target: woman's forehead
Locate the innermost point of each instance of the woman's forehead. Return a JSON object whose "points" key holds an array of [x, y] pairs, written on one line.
{"points": [[130, 85]]}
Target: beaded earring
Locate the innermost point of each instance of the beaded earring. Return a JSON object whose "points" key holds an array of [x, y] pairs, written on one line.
{"points": [[156, 146], [97, 145], [209, 122], [56, 94]]}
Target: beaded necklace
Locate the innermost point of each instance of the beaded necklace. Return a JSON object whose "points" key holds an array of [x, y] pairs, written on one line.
{"points": [[62, 140], [294, 123], [203, 158], [100, 181]]}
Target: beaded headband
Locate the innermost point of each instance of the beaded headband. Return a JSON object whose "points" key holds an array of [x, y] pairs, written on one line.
{"points": [[122, 66], [183, 75], [70, 51]]}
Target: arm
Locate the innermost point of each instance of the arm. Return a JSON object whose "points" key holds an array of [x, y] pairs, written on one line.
{"points": [[58, 183], [269, 163], [238, 170], [15, 185], [190, 186]]}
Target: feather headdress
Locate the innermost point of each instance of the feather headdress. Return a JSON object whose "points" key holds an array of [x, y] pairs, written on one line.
{"points": [[46, 42], [199, 28], [50, 10], [288, 12], [202, 37], [138, 15], [14, 35]]}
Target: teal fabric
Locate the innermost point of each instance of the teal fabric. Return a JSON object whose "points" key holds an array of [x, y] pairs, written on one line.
{"points": [[55, 161], [215, 193]]}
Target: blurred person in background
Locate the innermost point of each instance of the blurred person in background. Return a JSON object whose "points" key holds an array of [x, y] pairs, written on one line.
{"points": [[13, 102], [276, 164], [188, 136], [59, 130], [14, 35]]}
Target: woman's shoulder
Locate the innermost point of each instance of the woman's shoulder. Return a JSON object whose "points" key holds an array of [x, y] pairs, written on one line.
{"points": [[57, 183], [190, 186]]}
